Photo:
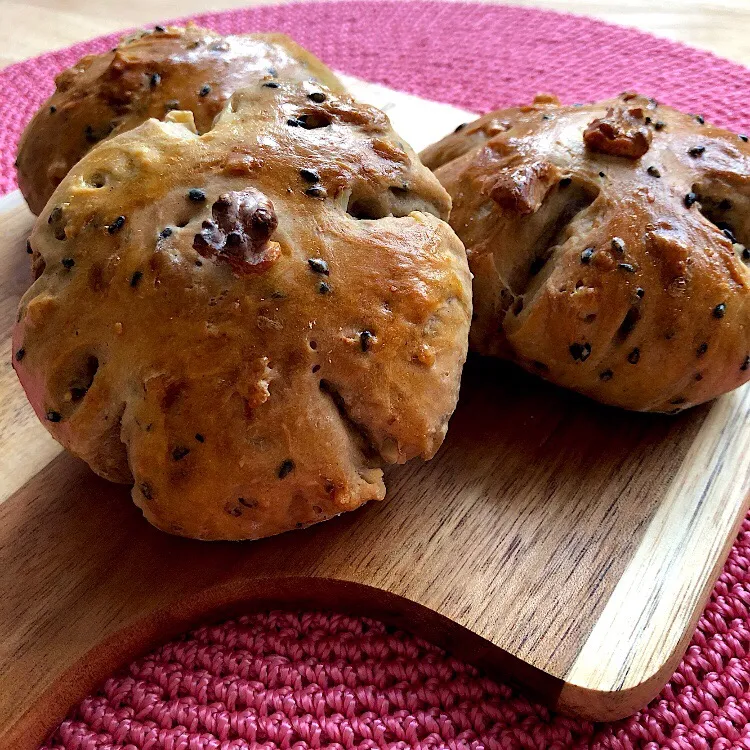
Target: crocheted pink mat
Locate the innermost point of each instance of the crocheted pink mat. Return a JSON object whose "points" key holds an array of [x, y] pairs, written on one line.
{"points": [[322, 680]]}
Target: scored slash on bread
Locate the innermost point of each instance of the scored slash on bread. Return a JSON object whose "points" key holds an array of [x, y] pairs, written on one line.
{"points": [[608, 246], [248, 323]]}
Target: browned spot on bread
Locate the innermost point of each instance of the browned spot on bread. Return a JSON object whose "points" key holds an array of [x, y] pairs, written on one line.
{"points": [[543, 98], [523, 189], [622, 132], [494, 127], [237, 162]]}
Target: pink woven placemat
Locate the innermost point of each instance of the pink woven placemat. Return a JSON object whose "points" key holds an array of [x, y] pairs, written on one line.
{"points": [[324, 680]]}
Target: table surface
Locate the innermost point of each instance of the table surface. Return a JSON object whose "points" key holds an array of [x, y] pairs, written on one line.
{"points": [[31, 27]]}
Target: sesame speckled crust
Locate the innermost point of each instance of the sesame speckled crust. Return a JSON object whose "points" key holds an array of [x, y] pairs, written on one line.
{"points": [[148, 75], [608, 247], [249, 323]]}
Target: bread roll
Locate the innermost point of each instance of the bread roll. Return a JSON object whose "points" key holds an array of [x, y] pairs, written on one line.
{"points": [[609, 246], [249, 323]]}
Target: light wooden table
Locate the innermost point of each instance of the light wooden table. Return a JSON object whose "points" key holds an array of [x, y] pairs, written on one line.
{"points": [[30, 27]]}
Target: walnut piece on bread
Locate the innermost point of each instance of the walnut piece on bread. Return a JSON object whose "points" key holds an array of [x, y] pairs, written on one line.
{"points": [[150, 74], [249, 323], [610, 247]]}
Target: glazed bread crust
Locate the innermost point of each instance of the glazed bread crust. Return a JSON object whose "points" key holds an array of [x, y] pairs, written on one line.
{"points": [[248, 323], [608, 247], [148, 75]]}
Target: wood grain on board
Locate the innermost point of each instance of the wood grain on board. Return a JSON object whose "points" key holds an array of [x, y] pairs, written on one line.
{"points": [[565, 544]]}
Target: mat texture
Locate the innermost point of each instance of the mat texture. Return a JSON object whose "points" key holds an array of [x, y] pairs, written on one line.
{"points": [[323, 680]]}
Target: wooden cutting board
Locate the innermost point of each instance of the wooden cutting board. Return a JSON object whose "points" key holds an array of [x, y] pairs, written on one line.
{"points": [[565, 544]]}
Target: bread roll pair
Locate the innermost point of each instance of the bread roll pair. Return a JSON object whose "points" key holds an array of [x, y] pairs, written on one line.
{"points": [[251, 302]]}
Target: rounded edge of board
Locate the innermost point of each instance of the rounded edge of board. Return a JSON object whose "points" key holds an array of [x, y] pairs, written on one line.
{"points": [[231, 599]]}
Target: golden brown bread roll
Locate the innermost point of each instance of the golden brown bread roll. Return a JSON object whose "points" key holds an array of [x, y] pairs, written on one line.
{"points": [[608, 247], [249, 323], [148, 75]]}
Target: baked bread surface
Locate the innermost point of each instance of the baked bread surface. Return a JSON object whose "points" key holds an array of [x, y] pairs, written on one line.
{"points": [[608, 246], [248, 323], [148, 75]]}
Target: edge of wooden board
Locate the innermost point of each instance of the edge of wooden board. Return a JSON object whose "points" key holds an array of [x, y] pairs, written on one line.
{"points": [[594, 685], [217, 603]]}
